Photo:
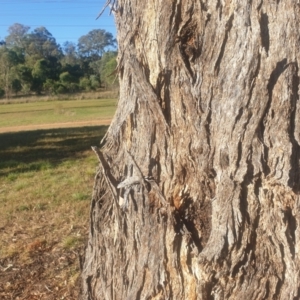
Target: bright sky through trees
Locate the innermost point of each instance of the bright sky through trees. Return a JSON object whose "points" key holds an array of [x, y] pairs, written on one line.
{"points": [[66, 20]]}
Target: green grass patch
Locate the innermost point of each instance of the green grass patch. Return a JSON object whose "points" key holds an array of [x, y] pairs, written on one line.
{"points": [[70, 242], [49, 112], [79, 196], [23, 207], [46, 183], [45, 170], [12, 176]]}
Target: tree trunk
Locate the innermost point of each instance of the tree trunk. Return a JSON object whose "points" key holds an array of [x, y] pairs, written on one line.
{"points": [[197, 192]]}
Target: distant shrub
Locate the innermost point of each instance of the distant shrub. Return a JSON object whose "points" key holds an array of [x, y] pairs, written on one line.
{"points": [[95, 82], [2, 92], [16, 85], [50, 86], [26, 89], [73, 87], [61, 89], [85, 84], [66, 78]]}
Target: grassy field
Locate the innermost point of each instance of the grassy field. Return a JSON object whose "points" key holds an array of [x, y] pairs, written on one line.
{"points": [[46, 182], [101, 94], [47, 112]]}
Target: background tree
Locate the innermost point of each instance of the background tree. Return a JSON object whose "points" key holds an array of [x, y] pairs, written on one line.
{"points": [[16, 85], [41, 44], [91, 48], [25, 77], [85, 84], [95, 42], [197, 192], [17, 35], [42, 70], [107, 67], [69, 82], [70, 53], [9, 60], [42, 65]]}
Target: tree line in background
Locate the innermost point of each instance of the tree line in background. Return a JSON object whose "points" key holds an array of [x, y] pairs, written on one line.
{"points": [[33, 62]]}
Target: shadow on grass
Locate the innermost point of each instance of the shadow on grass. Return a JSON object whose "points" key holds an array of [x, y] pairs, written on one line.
{"points": [[42, 149]]}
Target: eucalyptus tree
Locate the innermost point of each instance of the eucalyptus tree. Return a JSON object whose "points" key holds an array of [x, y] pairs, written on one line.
{"points": [[197, 191], [17, 35], [40, 44], [107, 69], [71, 56], [95, 42], [9, 60]]}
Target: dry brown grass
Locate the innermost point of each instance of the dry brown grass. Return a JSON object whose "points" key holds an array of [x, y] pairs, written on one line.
{"points": [[46, 180]]}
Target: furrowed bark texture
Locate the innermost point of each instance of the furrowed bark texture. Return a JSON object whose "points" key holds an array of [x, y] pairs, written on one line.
{"points": [[209, 110]]}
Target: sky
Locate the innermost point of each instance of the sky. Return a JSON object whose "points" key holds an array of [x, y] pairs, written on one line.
{"points": [[66, 20]]}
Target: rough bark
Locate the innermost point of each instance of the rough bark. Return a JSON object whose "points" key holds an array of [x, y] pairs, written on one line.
{"points": [[205, 147]]}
